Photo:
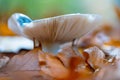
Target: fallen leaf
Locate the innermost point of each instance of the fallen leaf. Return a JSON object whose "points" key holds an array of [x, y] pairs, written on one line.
{"points": [[65, 54], [3, 61], [54, 67], [24, 67], [111, 50], [96, 57], [79, 69], [28, 61], [66, 65], [108, 72]]}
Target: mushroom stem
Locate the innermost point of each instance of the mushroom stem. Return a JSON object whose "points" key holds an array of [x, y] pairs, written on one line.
{"points": [[75, 48], [51, 47], [36, 43]]}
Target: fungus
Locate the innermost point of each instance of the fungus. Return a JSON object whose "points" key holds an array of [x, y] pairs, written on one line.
{"points": [[54, 31]]}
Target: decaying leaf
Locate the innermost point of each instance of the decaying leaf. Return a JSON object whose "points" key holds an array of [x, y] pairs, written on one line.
{"points": [[23, 67], [79, 69], [109, 71], [96, 57], [66, 65], [65, 54], [54, 67], [111, 50], [3, 61], [27, 61]]}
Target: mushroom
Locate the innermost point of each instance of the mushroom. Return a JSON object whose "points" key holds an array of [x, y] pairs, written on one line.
{"points": [[54, 31]]}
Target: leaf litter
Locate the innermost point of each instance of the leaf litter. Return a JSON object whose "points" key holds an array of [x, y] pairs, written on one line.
{"points": [[97, 62]]}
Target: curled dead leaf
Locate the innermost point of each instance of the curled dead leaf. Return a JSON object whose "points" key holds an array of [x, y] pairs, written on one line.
{"points": [[66, 65], [54, 67], [96, 57], [23, 67]]}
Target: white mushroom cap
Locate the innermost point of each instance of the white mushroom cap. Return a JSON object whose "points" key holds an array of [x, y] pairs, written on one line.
{"points": [[62, 28]]}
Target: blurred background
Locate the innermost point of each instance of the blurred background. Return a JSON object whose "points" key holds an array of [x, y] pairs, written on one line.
{"points": [[36, 9], [46, 8]]}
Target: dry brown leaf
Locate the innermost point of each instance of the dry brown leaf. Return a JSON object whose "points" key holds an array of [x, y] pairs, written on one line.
{"points": [[66, 65], [5, 78], [65, 54], [24, 67], [108, 72], [25, 75], [76, 64], [79, 69], [28, 61], [54, 67], [96, 57], [112, 51], [3, 61]]}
